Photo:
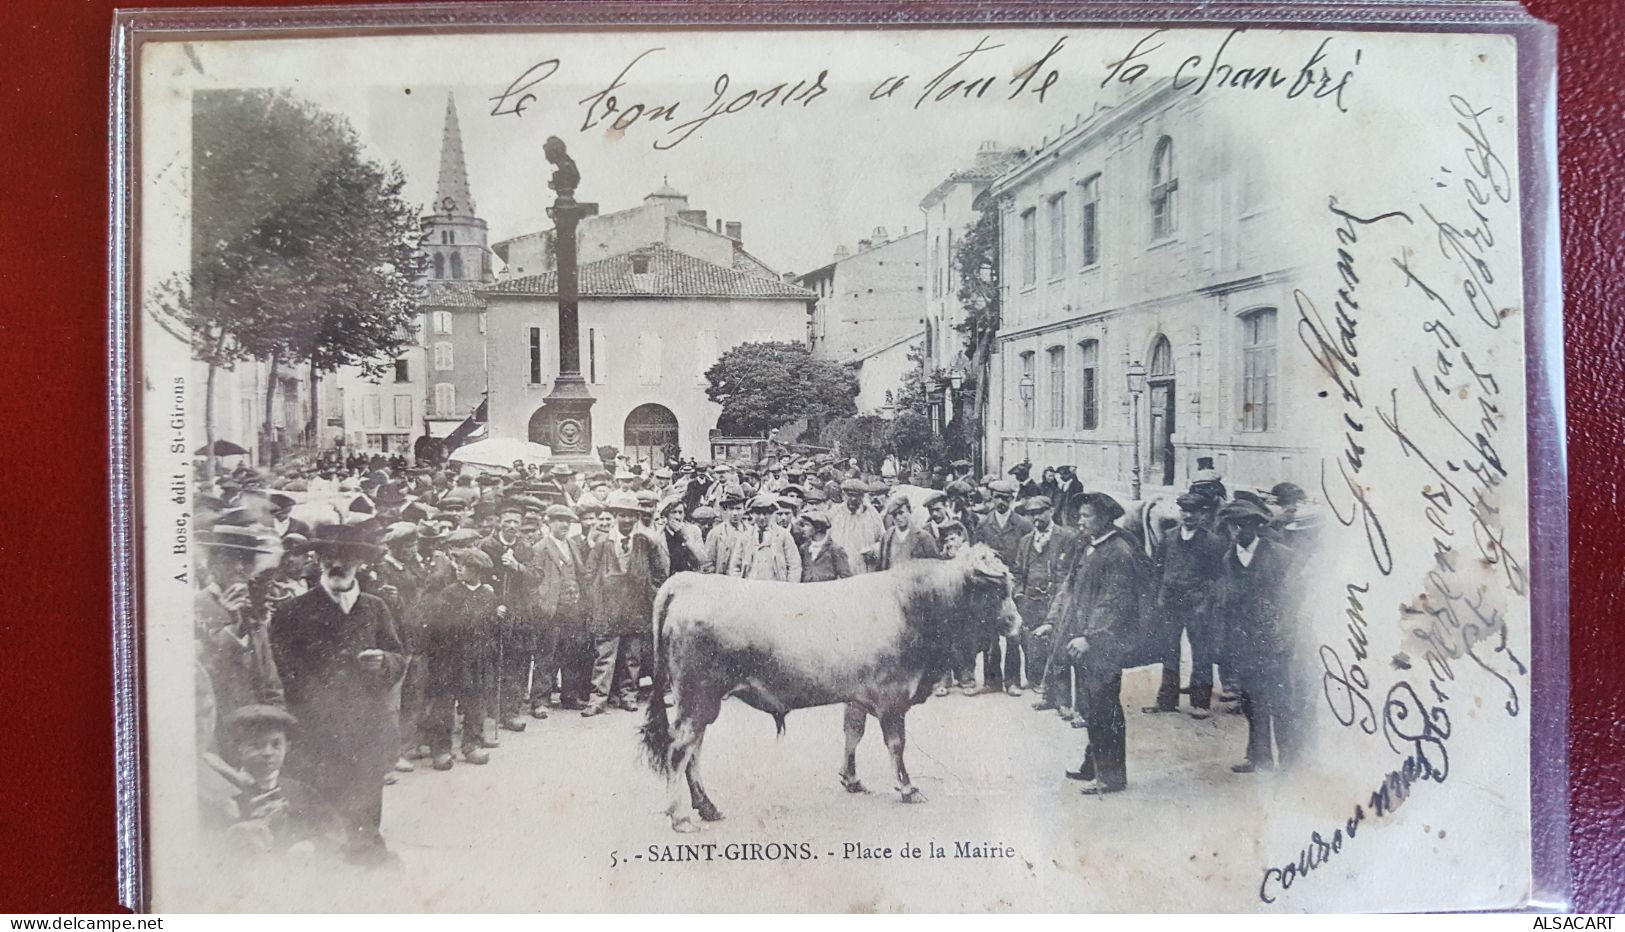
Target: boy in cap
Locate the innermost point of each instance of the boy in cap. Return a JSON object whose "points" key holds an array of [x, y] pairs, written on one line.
{"points": [[275, 814], [821, 558], [719, 541], [401, 578], [340, 657], [904, 542], [461, 632]]}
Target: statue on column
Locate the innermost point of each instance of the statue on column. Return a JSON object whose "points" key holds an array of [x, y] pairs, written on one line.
{"points": [[565, 175]]}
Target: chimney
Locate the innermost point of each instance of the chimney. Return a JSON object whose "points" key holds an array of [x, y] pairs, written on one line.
{"points": [[880, 234], [719, 225], [696, 217], [735, 230], [989, 155], [841, 252], [864, 244]]}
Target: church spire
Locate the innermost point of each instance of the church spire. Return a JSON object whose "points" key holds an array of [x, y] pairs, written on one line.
{"points": [[451, 194]]}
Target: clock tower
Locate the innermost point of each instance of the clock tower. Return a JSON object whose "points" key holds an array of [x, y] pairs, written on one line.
{"points": [[454, 237]]}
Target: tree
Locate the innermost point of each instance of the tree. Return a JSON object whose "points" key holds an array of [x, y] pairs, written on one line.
{"points": [[302, 249], [977, 260], [764, 385], [862, 438]]}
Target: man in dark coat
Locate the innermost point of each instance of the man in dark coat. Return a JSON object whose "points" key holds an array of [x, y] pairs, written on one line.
{"points": [[1039, 573], [460, 645], [624, 571], [561, 610], [822, 559], [1068, 494], [513, 578], [1190, 559], [1002, 530], [1102, 612], [402, 577], [1259, 643], [340, 658]]}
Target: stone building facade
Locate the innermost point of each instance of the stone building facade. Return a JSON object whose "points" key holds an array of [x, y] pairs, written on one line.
{"points": [[868, 298], [1146, 234], [662, 297]]}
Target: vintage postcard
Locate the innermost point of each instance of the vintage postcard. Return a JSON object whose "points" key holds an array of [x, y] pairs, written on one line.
{"points": [[967, 468]]}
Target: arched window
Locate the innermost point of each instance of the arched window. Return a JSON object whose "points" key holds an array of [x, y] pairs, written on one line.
{"points": [[1258, 369], [1164, 184], [439, 265], [456, 265], [1089, 384], [1057, 387], [1162, 359]]}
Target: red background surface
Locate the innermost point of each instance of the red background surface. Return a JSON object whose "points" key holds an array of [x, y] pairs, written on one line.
{"points": [[56, 775]]}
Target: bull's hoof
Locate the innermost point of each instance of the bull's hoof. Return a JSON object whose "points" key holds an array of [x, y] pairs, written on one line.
{"points": [[852, 784], [684, 825], [911, 794], [709, 812]]}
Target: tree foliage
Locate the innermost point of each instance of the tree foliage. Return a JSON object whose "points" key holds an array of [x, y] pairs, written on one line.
{"points": [[765, 385], [303, 250]]}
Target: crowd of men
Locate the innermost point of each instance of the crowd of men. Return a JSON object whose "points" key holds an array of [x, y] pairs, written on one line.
{"points": [[377, 634]]}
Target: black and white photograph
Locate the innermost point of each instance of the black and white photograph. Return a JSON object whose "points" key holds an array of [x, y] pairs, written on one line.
{"points": [[961, 469]]}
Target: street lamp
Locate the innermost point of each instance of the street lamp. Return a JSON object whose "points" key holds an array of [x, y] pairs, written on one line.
{"points": [[1025, 387], [1136, 385]]}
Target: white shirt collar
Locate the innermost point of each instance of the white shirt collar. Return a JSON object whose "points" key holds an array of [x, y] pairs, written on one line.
{"points": [[1244, 555], [346, 599], [1186, 533], [1102, 538]]}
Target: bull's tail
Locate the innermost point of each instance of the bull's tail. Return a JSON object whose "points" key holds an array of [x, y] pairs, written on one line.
{"points": [[656, 723]]}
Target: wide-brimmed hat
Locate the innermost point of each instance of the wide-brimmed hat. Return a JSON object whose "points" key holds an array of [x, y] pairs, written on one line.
{"points": [[400, 531], [344, 541], [237, 537], [624, 503], [1287, 493], [1103, 503], [561, 471]]}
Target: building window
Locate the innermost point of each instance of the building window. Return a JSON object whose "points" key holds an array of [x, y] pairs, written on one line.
{"points": [[403, 410], [1089, 223], [596, 348], [1057, 235], [403, 370], [1029, 246], [482, 322], [442, 356], [456, 265], [640, 264], [1164, 184], [535, 355], [1089, 384], [1027, 378], [374, 407], [445, 399], [1258, 370], [442, 321], [451, 237], [1057, 387], [439, 265]]}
